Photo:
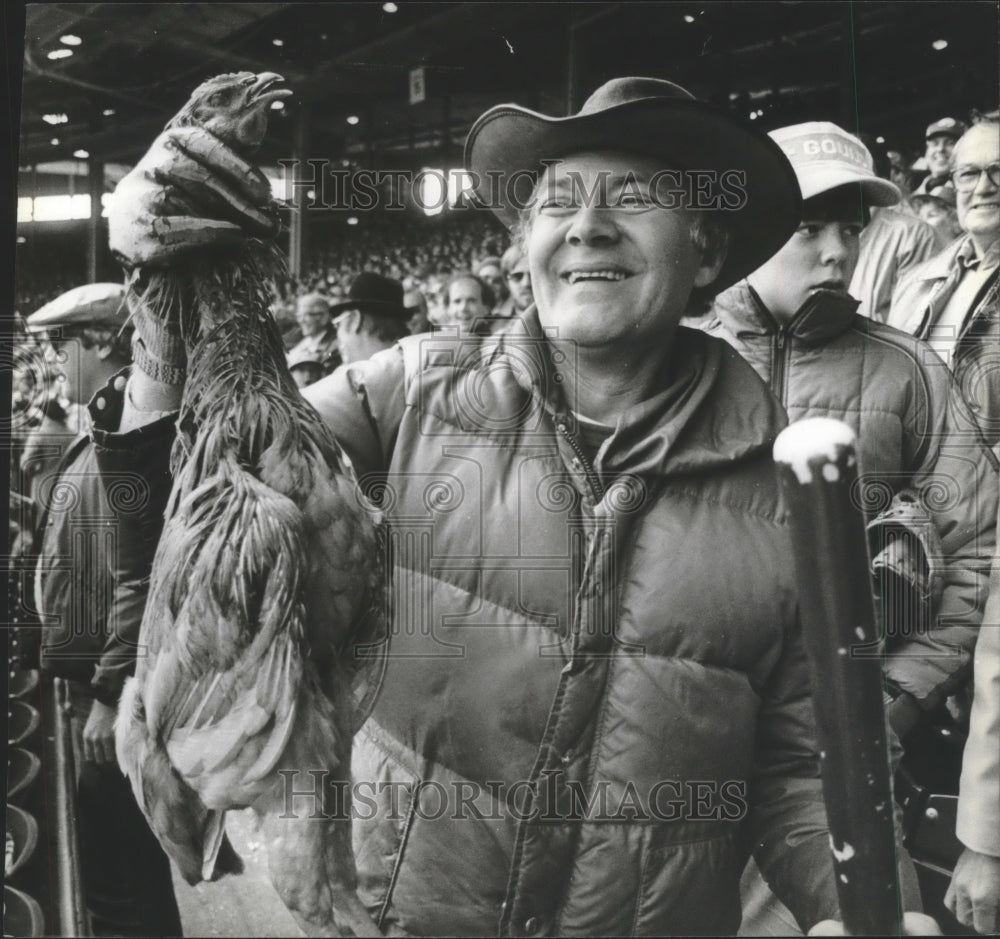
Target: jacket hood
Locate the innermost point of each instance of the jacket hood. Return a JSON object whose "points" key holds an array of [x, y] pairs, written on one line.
{"points": [[744, 314], [713, 408]]}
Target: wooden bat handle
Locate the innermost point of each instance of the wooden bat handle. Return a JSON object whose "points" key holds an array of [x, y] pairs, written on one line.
{"points": [[817, 467]]}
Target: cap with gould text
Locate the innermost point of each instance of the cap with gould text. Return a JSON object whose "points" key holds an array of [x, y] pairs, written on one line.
{"points": [[825, 156]]}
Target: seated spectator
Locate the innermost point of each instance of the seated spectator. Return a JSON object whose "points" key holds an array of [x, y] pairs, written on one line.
{"points": [[319, 338], [305, 367], [938, 209]]}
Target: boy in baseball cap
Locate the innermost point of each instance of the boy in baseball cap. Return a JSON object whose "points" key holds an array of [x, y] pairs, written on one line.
{"points": [[795, 322]]}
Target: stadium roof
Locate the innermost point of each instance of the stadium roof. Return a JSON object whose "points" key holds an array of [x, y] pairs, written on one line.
{"points": [[130, 66]]}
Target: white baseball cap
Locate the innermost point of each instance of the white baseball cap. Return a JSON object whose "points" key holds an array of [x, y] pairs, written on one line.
{"points": [[825, 156]]}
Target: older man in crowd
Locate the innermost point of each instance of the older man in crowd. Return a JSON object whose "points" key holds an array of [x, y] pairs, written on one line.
{"points": [[319, 337], [577, 672], [952, 300]]}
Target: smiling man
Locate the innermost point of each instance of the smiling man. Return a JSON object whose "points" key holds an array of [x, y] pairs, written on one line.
{"points": [[595, 701], [952, 300]]}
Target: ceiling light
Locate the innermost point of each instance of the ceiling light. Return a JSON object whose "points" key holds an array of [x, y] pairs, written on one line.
{"points": [[81, 154], [277, 105], [352, 220], [70, 40], [60, 53], [939, 45], [54, 141], [278, 42], [753, 115], [688, 18], [880, 140], [353, 119], [390, 7], [55, 118], [108, 112], [21, 239]]}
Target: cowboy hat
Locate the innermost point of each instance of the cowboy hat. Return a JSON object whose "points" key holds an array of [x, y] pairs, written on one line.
{"points": [[373, 293], [651, 117]]}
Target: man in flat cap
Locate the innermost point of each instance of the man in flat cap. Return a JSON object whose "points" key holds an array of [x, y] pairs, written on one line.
{"points": [[87, 640], [596, 702]]}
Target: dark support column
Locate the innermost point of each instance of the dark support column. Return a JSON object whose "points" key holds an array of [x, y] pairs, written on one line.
{"points": [[848, 85], [95, 228], [446, 129], [297, 229]]}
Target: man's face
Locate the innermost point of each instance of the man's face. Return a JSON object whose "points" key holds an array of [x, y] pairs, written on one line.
{"points": [[822, 253], [938, 154], [465, 302], [312, 318], [493, 276], [81, 369], [612, 274], [979, 208], [519, 282]]}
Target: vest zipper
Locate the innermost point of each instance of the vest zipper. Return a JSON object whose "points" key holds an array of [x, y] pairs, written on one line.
{"points": [[596, 489], [778, 377]]}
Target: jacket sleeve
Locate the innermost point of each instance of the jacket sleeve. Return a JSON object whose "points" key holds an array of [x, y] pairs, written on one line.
{"points": [[978, 825], [956, 479], [363, 404], [788, 822], [135, 469]]}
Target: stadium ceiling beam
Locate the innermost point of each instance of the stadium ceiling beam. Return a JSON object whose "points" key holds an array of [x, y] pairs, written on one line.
{"points": [[460, 23]]}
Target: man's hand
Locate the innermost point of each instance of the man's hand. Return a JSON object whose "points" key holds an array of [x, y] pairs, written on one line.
{"points": [[189, 191], [914, 924], [974, 893], [99, 734]]}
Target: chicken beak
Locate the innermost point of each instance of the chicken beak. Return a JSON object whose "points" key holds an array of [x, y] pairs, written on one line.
{"points": [[264, 90]]}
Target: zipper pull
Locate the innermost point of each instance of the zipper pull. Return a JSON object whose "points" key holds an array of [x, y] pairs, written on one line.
{"points": [[781, 339]]}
